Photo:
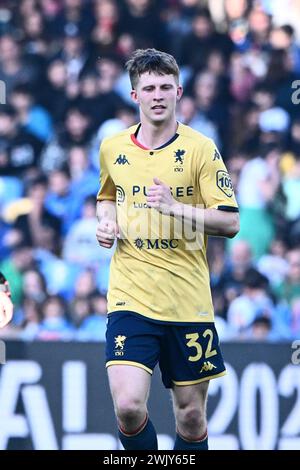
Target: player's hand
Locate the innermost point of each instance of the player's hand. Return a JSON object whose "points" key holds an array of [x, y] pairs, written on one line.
{"points": [[159, 197], [6, 305], [106, 233]]}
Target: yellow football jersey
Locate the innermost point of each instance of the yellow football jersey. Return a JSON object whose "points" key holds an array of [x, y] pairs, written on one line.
{"points": [[159, 268]]}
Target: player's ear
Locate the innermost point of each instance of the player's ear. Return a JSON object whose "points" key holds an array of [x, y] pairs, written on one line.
{"points": [[134, 96], [179, 92]]}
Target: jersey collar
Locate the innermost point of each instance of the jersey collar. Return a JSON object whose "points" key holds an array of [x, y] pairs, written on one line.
{"points": [[136, 142]]}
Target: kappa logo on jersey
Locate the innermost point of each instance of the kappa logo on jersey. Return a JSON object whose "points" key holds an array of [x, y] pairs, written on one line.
{"points": [[207, 366], [217, 155], [224, 183], [178, 155], [119, 345], [121, 160]]}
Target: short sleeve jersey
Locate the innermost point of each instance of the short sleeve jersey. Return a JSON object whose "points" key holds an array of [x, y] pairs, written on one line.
{"points": [[159, 268]]}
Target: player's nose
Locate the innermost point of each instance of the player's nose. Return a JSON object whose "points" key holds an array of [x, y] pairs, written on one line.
{"points": [[157, 95]]}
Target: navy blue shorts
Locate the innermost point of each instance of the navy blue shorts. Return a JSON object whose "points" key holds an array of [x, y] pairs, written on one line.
{"points": [[187, 353]]}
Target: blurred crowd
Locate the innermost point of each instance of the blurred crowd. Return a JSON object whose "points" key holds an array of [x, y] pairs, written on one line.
{"points": [[62, 69]]}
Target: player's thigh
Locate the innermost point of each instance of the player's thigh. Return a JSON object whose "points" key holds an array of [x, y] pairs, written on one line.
{"points": [[191, 355], [131, 340], [128, 383], [193, 396]]}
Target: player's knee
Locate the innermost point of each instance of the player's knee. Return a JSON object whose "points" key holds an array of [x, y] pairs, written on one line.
{"points": [[191, 416], [129, 410], [191, 420]]}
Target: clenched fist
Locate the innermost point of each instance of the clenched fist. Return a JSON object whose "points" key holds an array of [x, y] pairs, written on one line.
{"points": [[160, 198], [106, 233]]}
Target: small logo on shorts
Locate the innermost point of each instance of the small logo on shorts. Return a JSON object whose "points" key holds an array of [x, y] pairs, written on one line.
{"points": [[119, 345], [207, 366]]}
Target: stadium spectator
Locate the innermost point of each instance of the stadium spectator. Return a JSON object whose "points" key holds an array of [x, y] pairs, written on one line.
{"points": [[289, 288], [15, 69], [252, 304], [142, 17], [105, 32], [35, 34], [38, 227], [32, 317], [76, 131], [54, 325], [53, 96], [273, 265], [20, 149], [85, 283], [203, 39], [13, 267], [34, 286], [89, 318], [257, 223], [31, 117], [260, 330], [230, 274]]}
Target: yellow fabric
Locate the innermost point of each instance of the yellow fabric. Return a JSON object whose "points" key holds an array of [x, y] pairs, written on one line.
{"points": [[204, 379], [287, 163], [152, 271], [129, 363], [16, 208]]}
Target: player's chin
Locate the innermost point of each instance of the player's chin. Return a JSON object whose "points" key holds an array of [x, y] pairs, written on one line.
{"points": [[159, 113], [159, 118]]}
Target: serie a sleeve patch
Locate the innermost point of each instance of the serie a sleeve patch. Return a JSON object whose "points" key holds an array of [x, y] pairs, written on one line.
{"points": [[224, 182]]}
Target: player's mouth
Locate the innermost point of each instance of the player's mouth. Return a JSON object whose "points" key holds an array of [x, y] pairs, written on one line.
{"points": [[158, 109]]}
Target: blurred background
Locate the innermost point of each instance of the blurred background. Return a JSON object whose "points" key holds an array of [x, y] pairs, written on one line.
{"points": [[62, 66]]}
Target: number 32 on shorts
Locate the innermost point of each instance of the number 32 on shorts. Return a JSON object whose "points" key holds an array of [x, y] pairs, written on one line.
{"points": [[193, 343]]}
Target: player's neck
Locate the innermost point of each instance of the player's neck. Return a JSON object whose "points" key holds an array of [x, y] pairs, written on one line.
{"points": [[154, 136]]}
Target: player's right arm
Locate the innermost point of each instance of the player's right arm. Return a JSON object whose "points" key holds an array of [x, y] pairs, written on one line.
{"points": [[107, 228]]}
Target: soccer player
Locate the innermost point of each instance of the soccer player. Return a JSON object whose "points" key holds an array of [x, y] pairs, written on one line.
{"points": [[159, 300], [6, 306]]}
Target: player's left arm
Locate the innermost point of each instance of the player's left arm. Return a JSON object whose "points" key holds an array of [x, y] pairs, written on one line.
{"points": [[219, 215], [215, 221]]}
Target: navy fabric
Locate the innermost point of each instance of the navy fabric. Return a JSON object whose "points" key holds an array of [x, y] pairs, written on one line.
{"points": [[185, 352]]}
